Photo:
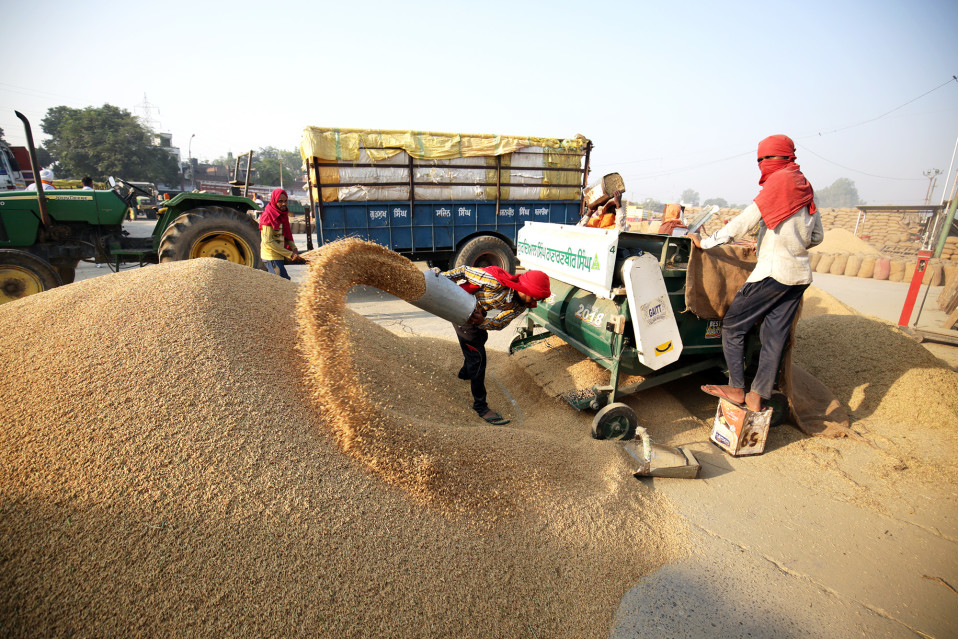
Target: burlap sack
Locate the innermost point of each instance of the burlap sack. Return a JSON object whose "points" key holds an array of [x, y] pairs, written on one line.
{"points": [[882, 268], [951, 271], [715, 276], [838, 266], [813, 259], [909, 271], [853, 265], [868, 266], [896, 270], [814, 408], [825, 264], [934, 274]]}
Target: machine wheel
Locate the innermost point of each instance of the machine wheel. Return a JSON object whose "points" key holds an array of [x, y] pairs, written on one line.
{"points": [[23, 274], [212, 231], [616, 421], [486, 250]]}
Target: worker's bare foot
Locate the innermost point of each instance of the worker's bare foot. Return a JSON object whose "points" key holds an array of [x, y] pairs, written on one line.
{"points": [[735, 395], [753, 401]]}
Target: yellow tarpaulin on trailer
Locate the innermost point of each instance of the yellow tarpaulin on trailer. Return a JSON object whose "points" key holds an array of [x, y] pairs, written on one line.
{"points": [[450, 166], [342, 145]]}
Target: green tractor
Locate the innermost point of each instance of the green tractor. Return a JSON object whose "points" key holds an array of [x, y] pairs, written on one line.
{"points": [[45, 234]]}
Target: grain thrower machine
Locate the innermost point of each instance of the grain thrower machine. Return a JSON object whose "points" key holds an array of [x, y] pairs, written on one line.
{"points": [[619, 299]]}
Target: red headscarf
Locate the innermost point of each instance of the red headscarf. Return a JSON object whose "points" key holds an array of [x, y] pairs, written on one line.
{"points": [[273, 217], [784, 188], [535, 284]]}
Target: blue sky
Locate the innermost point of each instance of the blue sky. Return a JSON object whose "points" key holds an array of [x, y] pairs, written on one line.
{"points": [[673, 95]]}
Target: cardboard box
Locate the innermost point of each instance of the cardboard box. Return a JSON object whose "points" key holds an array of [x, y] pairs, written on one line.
{"points": [[738, 430]]}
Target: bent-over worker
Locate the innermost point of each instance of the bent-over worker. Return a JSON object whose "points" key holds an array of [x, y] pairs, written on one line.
{"points": [[275, 235], [789, 224], [496, 290]]}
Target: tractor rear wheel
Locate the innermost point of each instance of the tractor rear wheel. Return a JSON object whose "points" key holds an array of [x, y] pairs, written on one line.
{"points": [[486, 250], [23, 274], [212, 231]]}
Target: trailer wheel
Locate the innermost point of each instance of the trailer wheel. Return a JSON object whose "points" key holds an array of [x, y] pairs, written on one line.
{"points": [[23, 274], [486, 250], [615, 421], [212, 231]]}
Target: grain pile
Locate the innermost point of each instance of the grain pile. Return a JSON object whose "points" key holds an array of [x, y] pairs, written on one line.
{"points": [[165, 472], [839, 240], [900, 397]]}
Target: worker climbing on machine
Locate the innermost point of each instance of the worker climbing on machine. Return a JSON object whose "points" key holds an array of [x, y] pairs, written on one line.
{"points": [[496, 290], [610, 215], [276, 236], [789, 224]]}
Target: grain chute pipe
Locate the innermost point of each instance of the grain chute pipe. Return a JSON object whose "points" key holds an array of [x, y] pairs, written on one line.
{"points": [[446, 299], [41, 197]]}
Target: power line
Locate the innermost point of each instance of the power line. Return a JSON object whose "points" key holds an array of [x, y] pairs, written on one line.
{"points": [[848, 168], [852, 126], [665, 173]]}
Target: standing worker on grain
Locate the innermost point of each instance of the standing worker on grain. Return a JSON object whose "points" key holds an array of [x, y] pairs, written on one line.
{"points": [[275, 235], [789, 224], [495, 290]]}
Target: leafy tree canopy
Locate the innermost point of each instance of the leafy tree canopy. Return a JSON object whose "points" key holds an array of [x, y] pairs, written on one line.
{"points": [[842, 194], [105, 141], [270, 161], [690, 197], [717, 201]]}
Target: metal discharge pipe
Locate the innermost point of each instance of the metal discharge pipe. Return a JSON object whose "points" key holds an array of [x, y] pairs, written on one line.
{"points": [[446, 299]]}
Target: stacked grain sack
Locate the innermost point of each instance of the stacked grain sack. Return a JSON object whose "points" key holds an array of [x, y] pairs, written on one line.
{"points": [[885, 247]]}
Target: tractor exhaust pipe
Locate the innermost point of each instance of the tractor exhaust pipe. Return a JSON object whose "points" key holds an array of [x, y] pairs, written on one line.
{"points": [[41, 197]]}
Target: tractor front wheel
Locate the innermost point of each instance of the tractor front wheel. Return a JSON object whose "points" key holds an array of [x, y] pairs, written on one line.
{"points": [[212, 231], [23, 274]]}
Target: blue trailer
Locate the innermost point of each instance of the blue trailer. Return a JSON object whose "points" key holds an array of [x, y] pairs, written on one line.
{"points": [[506, 183]]}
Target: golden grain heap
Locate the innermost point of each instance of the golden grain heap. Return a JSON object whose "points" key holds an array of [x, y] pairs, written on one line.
{"points": [[170, 466]]}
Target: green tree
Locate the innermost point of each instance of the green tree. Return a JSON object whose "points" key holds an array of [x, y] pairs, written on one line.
{"points": [[718, 201], [650, 204], [269, 161], [690, 197], [842, 194], [105, 141]]}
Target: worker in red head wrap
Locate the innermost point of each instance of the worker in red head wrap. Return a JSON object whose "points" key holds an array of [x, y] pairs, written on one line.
{"points": [[500, 298], [276, 237], [789, 224]]}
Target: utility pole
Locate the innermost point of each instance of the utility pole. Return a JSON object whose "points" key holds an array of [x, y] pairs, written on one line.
{"points": [[190, 154], [932, 175]]}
